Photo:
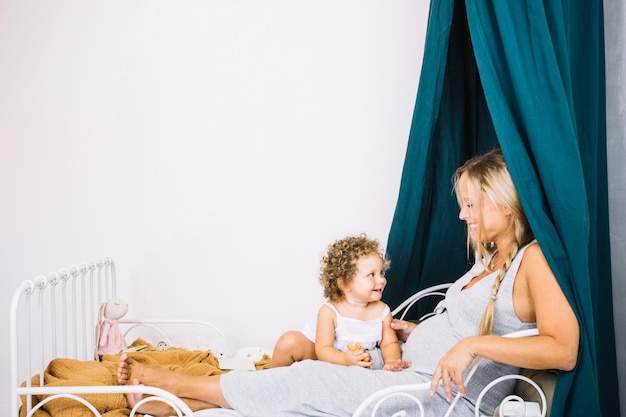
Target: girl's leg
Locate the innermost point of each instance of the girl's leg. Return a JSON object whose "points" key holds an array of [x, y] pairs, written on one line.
{"points": [[199, 392], [292, 347]]}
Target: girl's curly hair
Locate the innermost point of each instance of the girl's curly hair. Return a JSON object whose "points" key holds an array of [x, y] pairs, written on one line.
{"points": [[338, 267]]}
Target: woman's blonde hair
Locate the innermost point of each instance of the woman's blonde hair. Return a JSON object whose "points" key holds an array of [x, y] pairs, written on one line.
{"points": [[338, 266], [488, 173]]}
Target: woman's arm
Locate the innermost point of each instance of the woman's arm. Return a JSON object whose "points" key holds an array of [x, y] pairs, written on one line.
{"points": [[325, 342], [537, 297]]}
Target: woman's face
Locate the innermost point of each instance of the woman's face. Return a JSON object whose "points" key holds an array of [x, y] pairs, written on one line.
{"points": [[495, 217]]}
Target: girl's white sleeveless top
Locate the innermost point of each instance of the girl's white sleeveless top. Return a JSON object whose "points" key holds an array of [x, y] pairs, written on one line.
{"points": [[366, 332]]}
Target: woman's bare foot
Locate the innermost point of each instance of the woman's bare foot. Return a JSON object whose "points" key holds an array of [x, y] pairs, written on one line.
{"points": [[125, 377], [124, 370], [131, 372]]}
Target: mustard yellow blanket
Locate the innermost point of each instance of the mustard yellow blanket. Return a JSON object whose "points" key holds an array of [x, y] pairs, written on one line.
{"points": [[71, 372]]}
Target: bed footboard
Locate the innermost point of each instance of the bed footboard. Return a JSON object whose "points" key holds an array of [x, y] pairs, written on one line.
{"points": [[56, 316]]}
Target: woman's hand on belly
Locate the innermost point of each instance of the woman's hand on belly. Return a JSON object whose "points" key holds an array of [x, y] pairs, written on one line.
{"points": [[451, 367]]}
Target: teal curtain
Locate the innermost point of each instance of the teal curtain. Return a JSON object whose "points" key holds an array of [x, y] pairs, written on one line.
{"points": [[528, 76]]}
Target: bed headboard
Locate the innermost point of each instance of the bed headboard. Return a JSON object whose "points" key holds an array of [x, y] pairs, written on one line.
{"points": [[55, 316]]}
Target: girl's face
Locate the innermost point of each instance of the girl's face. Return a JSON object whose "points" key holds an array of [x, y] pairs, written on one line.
{"points": [[495, 217], [369, 281]]}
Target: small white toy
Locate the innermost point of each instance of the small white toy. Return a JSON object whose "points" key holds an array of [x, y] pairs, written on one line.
{"points": [[110, 338]]}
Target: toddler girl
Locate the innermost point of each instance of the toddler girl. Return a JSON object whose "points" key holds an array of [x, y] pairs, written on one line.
{"points": [[353, 326]]}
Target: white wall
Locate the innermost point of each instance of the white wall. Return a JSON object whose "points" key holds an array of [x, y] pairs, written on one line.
{"points": [[213, 149]]}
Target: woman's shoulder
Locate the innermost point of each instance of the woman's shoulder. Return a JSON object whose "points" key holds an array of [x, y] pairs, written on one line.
{"points": [[533, 261], [532, 252]]}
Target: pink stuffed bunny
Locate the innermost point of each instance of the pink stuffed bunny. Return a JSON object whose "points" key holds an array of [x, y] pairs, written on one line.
{"points": [[110, 338]]}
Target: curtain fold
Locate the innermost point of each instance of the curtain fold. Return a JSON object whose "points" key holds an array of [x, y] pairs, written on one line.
{"points": [[529, 76]]}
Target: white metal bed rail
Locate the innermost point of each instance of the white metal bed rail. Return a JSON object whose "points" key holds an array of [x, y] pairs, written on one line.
{"points": [[56, 316], [154, 394], [439, 290]]}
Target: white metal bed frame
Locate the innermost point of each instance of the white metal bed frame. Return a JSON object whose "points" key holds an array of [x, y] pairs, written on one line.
{"points": [[51, 314], [55, 316]]}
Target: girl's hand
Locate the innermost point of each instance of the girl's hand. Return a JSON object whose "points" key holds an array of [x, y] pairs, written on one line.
{"points": [[451, 368], [399, 365], [357, 356], [403, 328]]}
